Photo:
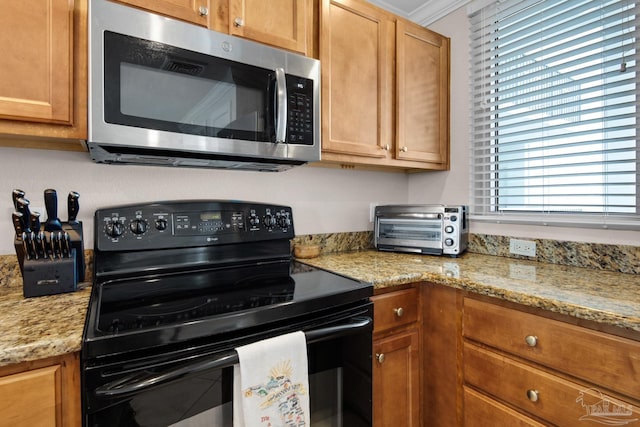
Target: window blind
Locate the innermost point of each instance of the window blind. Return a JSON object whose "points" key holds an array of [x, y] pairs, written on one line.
{"points": [[554, 92]]}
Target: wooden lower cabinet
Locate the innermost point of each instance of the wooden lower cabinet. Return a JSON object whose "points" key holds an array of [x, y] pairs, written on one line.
{"points": [[41, 393], [396, 364], [542, 371]]}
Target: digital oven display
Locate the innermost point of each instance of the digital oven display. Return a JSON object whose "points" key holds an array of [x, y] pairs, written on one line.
{"points": [[208, 222]]}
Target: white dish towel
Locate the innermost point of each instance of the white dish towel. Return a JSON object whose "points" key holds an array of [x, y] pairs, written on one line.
{"points": [[271, 383]]}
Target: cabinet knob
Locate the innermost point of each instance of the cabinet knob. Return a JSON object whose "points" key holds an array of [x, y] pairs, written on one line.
{"points": [[404, 149], [531, 340], [203, 10], [533, 395], [380, 357], [238, 22], [387, 147], [399, 311]]}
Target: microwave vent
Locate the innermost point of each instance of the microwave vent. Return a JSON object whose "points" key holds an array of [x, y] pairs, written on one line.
{"points": [[183, 67]]}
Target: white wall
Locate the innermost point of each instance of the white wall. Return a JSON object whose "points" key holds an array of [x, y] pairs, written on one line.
{"points": [[323, 200], [453, 186]]}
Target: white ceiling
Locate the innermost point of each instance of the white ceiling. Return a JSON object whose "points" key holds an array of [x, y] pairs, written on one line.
{"points": [[423, 12]]}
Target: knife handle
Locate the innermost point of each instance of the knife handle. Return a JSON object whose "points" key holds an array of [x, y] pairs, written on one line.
{"points": [[15, 195], [51, 203], [16, 217], [73, 206], [23, 206], [35, 222]]}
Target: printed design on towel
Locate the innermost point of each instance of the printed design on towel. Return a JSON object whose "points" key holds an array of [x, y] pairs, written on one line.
{"points": [[279, 390]]}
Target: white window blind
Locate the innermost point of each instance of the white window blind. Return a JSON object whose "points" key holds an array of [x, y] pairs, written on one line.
{"points": [[554, 93]]}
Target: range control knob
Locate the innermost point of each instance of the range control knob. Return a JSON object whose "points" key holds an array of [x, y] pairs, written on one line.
{"points": [[284, 222], [254, 220], [269, 221], [138, 226], [161, 224], [114, 229], [448, 242], [448, 229]]}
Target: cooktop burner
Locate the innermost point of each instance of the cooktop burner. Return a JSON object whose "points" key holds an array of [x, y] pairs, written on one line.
{"points": [[181, 297]]}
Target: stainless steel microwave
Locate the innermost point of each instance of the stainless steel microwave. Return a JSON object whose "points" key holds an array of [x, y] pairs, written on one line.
{"points": [[427, 229], [166, 92]]}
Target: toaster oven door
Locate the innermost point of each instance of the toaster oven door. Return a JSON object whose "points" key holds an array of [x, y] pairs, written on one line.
{"points": [[421, 235]]}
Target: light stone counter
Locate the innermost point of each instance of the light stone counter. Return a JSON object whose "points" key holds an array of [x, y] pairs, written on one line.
{"points": [[36, 328], [601, 296], [41, 327]]}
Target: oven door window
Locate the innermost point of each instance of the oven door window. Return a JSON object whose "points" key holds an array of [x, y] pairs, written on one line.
{"points": [[339, 392], [156, 86], [414, 232]]}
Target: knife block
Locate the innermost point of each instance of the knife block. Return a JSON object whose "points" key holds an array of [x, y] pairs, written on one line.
{"points": [[48, 276]]}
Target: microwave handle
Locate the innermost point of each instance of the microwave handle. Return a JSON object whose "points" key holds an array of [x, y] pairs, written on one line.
{"points": [[227, 359], [281, 111]]}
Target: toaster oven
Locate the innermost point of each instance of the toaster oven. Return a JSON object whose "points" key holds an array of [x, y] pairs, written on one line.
{"points": [[426, 229]]}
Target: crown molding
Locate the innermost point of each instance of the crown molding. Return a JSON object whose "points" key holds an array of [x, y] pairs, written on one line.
{"points": [[426, 13]]}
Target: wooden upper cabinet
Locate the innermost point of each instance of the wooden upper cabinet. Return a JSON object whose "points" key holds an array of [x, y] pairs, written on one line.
{"points": [[385, 89], [422, 96], [281, 23], [36, 71], [356, 42], [194, 11], [43, 72]]}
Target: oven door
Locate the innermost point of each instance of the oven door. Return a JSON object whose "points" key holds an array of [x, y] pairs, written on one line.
{"points": [[422, 234], [194, 387]]}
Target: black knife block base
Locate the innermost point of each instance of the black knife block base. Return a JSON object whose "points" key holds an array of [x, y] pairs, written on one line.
{"points": [[52, 267], [48, 277]]}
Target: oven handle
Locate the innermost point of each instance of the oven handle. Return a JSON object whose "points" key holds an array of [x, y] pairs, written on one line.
{"points": [[225, 360]]}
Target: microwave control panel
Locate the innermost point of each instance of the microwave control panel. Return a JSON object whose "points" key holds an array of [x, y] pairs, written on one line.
{"points": [[299, 110]]}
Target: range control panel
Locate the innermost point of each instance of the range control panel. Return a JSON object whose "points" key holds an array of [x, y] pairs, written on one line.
{"points": [[176, 224]]}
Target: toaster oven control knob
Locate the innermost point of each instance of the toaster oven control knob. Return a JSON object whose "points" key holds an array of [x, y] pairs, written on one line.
{"points": [[453, 218], [448, 242], [114, 229], [161, 224], [448, 229], [138, 226]]}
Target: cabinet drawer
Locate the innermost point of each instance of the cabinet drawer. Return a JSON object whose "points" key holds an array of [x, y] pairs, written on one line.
{"points": [[395, 309], [482, 411], [556, 400], [597, 357]]}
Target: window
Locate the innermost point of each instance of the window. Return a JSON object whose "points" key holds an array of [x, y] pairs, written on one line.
{"points": [[554, 94]]}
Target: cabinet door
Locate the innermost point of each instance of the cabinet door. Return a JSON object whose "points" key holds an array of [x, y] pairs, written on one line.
{"points": [[36, 71], [31, 398], [281, 23], [422, 98], [396, 381], [356, 51], [194, 11]]}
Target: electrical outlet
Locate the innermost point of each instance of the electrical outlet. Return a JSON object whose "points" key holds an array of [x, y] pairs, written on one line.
{"points": [[522, 247]]}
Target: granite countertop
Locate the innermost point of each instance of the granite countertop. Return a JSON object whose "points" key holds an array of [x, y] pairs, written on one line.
{"points": [[40, 327], [36, 328], [601, 296]]}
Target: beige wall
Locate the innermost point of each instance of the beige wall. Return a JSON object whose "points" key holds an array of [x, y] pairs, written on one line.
{"points": [[323, 200], [453, 186]]}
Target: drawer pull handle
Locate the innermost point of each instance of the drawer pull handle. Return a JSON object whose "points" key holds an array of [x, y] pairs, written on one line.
{"points": [[380, 357], [531, 340], [399, 311], [533, 395]]}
